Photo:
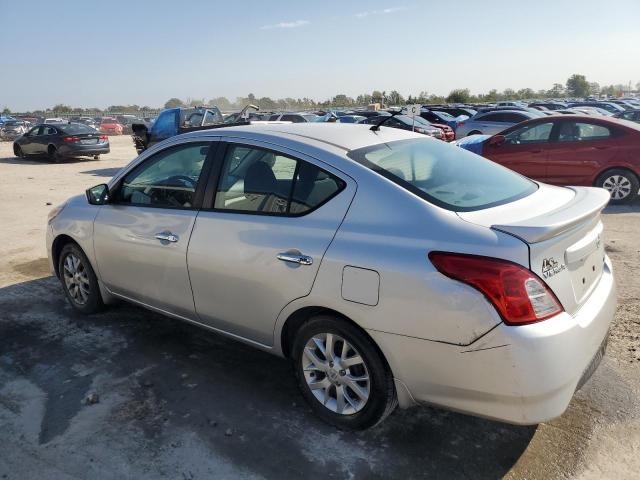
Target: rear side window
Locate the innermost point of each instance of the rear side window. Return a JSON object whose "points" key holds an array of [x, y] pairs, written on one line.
{"points": [[580, 131], [449, 177], [492, 117], [256, 180]]}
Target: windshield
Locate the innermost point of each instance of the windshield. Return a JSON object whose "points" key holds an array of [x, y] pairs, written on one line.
{"points": [[76, 128], [447, 176], [316, 118]]}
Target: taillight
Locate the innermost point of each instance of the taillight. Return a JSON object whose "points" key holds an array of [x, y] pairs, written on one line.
{"points": [[460, 123], [104, 137], [71, 139], [518, 294]]}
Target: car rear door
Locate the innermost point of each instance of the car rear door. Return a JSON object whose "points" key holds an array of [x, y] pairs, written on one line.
{"points": [[524, 149], [141, 236], [259, 240], [581, 150]]}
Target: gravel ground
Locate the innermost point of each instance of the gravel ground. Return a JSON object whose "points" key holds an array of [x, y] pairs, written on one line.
{"points": [[175, 402]]}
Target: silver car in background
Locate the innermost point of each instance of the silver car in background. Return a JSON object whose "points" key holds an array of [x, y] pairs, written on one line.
{"points": [[391, 268], [492, 122]]}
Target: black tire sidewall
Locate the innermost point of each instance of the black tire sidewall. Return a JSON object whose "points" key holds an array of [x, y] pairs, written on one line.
{"points": [[94, 303], [17, 151], [382, 390], [635, 183]]}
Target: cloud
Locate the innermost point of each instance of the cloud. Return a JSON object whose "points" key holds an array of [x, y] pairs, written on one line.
{"points": [[295, 24], [379, 12]]}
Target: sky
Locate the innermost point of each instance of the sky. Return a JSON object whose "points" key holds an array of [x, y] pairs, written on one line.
{"points": [[94, 54]]}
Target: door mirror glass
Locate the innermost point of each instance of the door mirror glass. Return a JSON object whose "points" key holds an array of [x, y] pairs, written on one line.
{"points": [[98, 195], [496, 140]]}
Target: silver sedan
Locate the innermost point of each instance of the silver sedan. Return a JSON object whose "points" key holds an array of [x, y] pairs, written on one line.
{"points": [[391, 268], [492, 122]]}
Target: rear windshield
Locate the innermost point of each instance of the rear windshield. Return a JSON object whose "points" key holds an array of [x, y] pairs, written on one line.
{"points": [[76, 128], [447, 176]]}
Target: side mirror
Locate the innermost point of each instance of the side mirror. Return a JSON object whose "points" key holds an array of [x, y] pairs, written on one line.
{"points": [[496, 140], [98, 195]]}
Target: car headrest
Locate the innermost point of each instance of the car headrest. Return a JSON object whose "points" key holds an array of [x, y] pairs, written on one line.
{"points": [[259, 178]]}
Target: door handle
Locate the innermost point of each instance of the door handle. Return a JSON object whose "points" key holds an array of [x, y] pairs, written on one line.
{"points": [[167, 237], [295, 258]]}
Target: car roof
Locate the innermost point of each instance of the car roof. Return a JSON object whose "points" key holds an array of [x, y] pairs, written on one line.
{"points": [[343, 136], [589, 119]]}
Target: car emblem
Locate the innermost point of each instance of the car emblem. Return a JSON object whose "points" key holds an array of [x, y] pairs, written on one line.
{"points": [[550, 267]]}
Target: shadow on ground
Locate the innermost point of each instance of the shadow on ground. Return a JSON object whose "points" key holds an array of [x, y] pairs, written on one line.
{"points": [[103, 172], [165, 386], [44, 160]]}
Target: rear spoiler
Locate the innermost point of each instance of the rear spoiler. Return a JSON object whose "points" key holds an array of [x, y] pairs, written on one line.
{"points": [[587, 203]]}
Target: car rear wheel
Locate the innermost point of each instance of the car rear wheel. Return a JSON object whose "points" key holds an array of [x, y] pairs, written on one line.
{"points": [[17, 151], [341, 374], [78, 280], [622, 184], [96, 157]]}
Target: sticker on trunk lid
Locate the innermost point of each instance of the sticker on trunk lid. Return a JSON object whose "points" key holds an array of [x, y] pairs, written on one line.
{"points": [[550, 267]]}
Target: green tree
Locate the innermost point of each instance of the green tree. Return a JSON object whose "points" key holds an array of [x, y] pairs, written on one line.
{"points": [[6, 111], [222, 103], [395, 98], [459, 95], [61, 108], [173, 103], [577, 86]]}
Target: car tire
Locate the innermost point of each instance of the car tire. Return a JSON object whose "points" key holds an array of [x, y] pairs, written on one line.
{"points": [[474, 132], [623, 185], [79, 281], [96, 157], [52, 154], [17, 151], [338, 398]]}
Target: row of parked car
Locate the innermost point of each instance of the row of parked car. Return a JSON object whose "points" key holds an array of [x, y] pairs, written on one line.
{"points": [[13, 127]]}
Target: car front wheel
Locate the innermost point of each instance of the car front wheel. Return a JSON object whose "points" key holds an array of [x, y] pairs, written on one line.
{"points": [[341, 374], [78, 280], [622, 184]]}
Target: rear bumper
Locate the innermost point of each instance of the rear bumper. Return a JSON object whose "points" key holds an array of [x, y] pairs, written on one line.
{"points": [[83, 150], [523, 375]]}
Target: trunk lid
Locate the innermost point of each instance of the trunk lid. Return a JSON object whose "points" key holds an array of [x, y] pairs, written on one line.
{"points": [[563, 230]]}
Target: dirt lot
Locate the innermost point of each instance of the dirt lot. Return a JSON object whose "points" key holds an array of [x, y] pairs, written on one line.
{"points": [[179, 403]]}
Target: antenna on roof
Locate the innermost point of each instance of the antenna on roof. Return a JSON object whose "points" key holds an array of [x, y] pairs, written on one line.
{"points": [[377, 126]]}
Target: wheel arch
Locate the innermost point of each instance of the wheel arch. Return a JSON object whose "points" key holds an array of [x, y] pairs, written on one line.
{"points": [[295, 320], [606, 169], [56, 248]]}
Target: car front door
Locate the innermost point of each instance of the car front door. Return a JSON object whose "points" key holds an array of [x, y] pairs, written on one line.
{"points": [[524, 150], [581, 150], [141, 236], [259, 244], [29, 142]]}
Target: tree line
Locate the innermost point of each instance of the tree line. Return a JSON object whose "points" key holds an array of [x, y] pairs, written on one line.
{"points": [[576, 86]]}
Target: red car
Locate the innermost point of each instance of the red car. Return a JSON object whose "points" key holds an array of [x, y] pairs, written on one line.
{"points": [[449, 134], [572, 150], [110, 126]]}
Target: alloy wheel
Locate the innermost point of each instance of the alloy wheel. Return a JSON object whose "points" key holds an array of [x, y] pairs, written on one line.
{"points": [[76, 279], [618, 185], [336, 373]]}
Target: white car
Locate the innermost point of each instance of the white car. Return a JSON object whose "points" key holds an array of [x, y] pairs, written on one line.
{"points": [[54, 120], [391, 268]]}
